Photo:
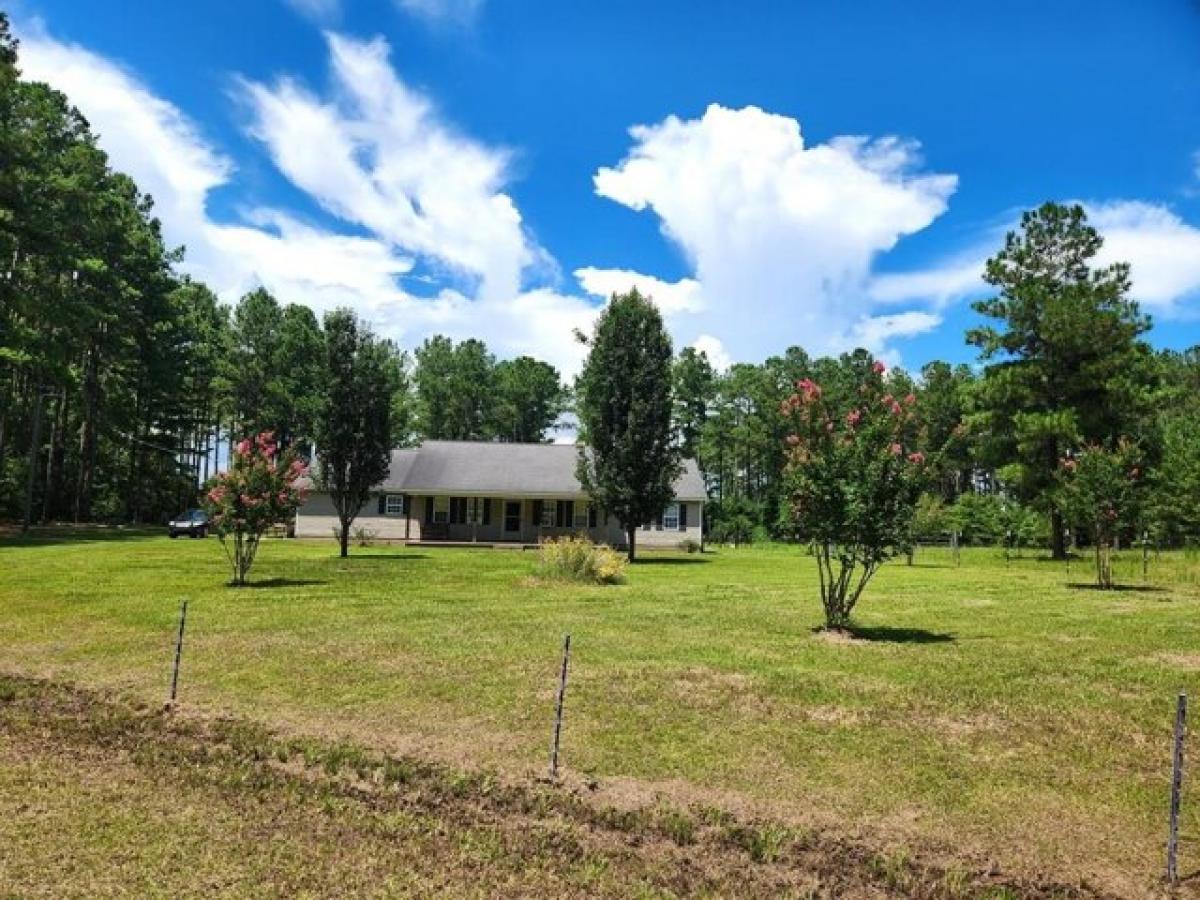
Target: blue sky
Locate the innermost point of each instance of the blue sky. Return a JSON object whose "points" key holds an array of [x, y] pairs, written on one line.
{"points": [[809, 174]]}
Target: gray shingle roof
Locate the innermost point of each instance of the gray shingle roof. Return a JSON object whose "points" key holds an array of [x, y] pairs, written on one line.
{"points": [[479, 467]]}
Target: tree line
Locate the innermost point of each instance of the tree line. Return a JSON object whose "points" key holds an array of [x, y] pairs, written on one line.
{"points": [[1062, 366], [124, 383]]}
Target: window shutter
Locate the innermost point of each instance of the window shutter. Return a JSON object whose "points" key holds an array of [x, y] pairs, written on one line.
{"points": [[591, 515], [683, 517], [658, 522], [382, 504], [429, 510], [407, 504], [487, 510], [537, 513]]}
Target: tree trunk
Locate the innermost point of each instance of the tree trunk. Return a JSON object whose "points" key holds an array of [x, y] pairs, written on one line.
{"points": [[631, 535], [54, 462], [344, 540], [1058, 544], [87, 433]]}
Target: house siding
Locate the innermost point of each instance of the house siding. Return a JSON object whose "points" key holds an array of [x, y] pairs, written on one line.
{"points": [[317, 518]]}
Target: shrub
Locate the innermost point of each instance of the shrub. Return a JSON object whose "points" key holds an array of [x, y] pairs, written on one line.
{"points": [[853, 479], [364, 536], [260, 490], [578, 559], [690, 545]]}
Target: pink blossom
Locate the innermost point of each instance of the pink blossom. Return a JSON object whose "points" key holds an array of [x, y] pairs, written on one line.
{"points": [[896, 410], [896, 449], [878, 368], [829, 426], [917, 457], [853, 417], [793, 440], [1069, 465], [243, 447], [910, 399]]}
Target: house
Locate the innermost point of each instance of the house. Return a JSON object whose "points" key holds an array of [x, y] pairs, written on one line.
{"points": [[499, 493]]}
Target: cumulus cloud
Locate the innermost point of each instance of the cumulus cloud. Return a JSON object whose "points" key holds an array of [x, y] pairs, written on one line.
{"points": [[1162, 249], [781, 235], [670, 297]]}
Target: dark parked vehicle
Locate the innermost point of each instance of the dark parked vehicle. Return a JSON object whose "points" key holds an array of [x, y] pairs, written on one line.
{"points": [[193, 523]]}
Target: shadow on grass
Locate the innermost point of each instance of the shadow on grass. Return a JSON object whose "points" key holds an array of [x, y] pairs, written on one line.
{"points": [[66, 534], [361, 557], [281, 583], [886, 634], [670, 561], [1117, 588]]}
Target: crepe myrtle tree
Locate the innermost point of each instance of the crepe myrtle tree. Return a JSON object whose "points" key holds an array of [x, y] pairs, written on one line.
{"points": [[1100, 491], [853, 479], [259, 490]]}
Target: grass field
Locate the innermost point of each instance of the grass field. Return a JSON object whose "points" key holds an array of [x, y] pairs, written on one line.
{"points": [[996, 715]]}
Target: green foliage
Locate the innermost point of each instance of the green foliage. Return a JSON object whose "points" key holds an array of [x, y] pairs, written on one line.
{"points": [[578, 559], [1066, 367], [854, 479], [257, 492], [355, 431], [529, 398], [1174, 502], [1100, 490], [624, 405], [694, 383]]}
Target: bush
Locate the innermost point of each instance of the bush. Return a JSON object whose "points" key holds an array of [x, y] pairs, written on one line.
{"points": [[690, 545], [578, 559], [364, 536]]}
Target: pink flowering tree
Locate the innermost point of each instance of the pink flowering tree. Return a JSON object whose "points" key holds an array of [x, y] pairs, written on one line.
{"points": [[1100, 491], [853, 478], [259, 491]]}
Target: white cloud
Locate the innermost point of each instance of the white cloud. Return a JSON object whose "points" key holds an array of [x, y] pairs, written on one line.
{"points": [[440, 12], [428, 195], [1163, 252], [670, 297], [782, 236], [712, 347], [376, 153]]}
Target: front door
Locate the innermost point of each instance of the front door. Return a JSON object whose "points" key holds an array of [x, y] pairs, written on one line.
{"points": [[512, 516]]}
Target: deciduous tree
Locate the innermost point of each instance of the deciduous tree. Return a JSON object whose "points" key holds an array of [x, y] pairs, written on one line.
{"points": [[628, 459]]}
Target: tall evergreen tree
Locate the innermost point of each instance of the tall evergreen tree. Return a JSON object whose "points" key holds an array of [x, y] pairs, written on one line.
{"points": [[628, 459], [528, 399], [1062, 362]]}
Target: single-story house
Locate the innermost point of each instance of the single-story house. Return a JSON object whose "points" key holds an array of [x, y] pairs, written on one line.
{"points": [[499, 493]]}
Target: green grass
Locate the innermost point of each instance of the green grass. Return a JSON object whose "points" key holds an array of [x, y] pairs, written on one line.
{"points": [[996, 712]]}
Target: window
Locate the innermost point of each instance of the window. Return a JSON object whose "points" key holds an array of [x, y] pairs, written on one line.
{"points": [[441, 509], [394, 505], [548, 511], [583, 515], [670, 517], [458, 510]]}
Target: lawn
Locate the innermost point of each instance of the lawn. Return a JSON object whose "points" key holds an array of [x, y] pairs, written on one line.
{"points": [[994, 713]]}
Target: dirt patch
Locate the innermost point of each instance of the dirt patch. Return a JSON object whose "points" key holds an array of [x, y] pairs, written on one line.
{"points": [[352, 819], [840, 638], [1188, 662]]}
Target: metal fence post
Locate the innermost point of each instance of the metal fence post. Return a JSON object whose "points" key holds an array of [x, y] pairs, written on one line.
{"points": [[178, 653], [558, 707], [1176, 789]]}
